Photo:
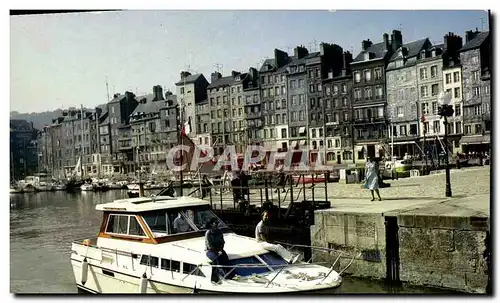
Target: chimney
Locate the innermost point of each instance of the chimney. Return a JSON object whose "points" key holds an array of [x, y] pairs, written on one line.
{"points": [[168, 93], [158, 92], [469, 35], [365, 44], [98, 110], [300, 52], [215, 76], [235, 73], [129, 96], [346, 60], [396, 40], [253, 73], [453, 43], [386, 41], [280, 58], [184, 74]]}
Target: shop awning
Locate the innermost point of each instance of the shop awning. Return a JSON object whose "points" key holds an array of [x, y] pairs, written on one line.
{"points": [[302, 142], [359, 148], [302, 129], [486, 139], [281, 155]]}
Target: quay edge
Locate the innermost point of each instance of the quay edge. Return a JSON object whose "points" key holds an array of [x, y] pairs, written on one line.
{"points": [[436, 243]]}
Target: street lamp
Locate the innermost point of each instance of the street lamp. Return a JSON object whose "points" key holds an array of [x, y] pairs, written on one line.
{"points": [[445, 110]]}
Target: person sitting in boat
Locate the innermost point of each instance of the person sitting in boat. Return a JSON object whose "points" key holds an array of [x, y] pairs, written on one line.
{"points": [[214, 242], [181, 225], [262, 236]]}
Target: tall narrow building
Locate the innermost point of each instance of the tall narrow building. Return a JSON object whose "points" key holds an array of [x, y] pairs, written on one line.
{"points": [[369, 96], [402, 77], [475, 57]]}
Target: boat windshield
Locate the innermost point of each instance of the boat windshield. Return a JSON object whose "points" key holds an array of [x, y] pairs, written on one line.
{"points": [[271, 260], [180, 220]]}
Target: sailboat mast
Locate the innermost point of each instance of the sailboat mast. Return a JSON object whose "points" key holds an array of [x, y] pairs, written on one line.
{"points": [[81, 142]]}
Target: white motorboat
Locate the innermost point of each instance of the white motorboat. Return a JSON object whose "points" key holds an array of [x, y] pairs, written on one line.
{"points": [[133, 186], [87, 187], [44, 186], [59, 186], [137, 251]]}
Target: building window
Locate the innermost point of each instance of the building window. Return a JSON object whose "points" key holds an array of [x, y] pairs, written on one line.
{"points": [[477, 110], [424, 91], [301, 83], [277, 91], [475, 75], [378, 73], [486, 90], [478, 129], [399, 111], [313, 133], [301, 115], [402, 130], [283, 90], [357, 77], [283, 104], [468, 129], [378, 92], [434, 70], [278, 119], [346, 116], [328, 90], [436, 126], [311, 88], [477, 92], [413, 129], [301, 99], [271, 105], [283, 133], [423, 73], [319, 87], [435, 89], [458, 110], [456, 77], [457, 92], [448, 78], [458, 127], [312, 102], [368, 75], [335, 89], [450, 128], [426, 127], [425, 108], [294, 100], [344, 101], [294, 117], [357, 94], [368, 93], [182, 90], [434, 108], [292, 84]]}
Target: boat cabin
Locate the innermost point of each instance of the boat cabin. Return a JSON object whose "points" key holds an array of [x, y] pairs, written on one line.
{"points": [[156, 220]]}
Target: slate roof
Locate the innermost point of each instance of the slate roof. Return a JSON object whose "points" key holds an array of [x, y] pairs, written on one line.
{"points": [[149, 98], [267, 62], [441, 46], [413, 48], [225, 81], [18, 124], [189, 79], [117, 98], [475, 42], [147, 108], [378, 49]]}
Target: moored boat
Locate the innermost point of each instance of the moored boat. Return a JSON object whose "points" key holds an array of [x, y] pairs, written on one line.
{"points": [[138, 251], [87, 187], [15, 190]]}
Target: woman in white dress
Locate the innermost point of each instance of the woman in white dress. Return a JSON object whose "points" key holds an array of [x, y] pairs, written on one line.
{"points": [[371, 179]]}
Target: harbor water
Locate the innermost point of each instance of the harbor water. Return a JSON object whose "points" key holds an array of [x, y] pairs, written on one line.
{"points": [[43, 225]]}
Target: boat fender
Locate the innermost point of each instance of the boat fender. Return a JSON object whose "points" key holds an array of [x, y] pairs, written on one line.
{"points": [[143, 284], [85, 269]]}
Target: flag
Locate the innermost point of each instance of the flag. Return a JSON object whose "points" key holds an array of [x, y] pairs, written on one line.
{"points": [[187, 128]]}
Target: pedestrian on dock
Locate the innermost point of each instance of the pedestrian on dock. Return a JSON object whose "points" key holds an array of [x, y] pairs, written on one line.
{"points": [[372, 178]]}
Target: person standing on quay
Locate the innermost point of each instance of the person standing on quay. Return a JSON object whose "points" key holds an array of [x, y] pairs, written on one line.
{"points": [[371, 179]]}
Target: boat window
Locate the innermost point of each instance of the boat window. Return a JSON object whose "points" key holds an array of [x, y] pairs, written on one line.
{"points": [[273, 259], [156, 220], [117, 224], [170, 265], [188, 268], [124, 225], [248, 271], [135, 228], [201, 217], [149, 261]]}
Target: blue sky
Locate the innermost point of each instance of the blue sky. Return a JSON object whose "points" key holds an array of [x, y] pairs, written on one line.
{"points": [[63, 60]]}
